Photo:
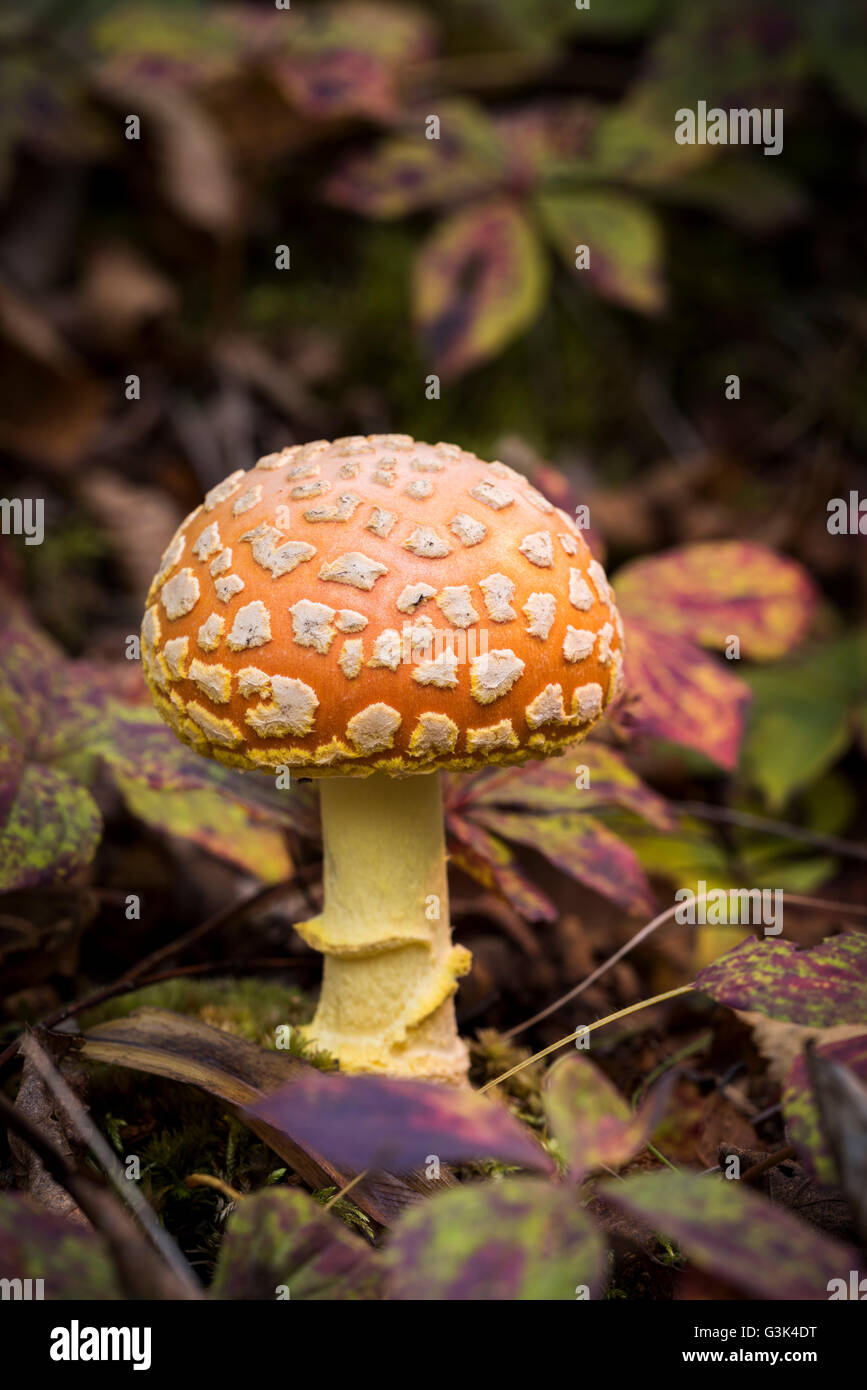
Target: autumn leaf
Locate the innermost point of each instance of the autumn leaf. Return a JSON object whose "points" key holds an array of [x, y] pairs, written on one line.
{"points": [[624, 242], [804, 1125], [683, 695], [72, 1260], [407, 171], [384, 1122], [714, 590], [479, 281], [581, 847], [281, 1238], [817, 987], [238, 1074], [514, 1240], [591, 1121], [734, 1234]]}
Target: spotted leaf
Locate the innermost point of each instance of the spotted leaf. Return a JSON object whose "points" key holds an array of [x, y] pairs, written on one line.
{"points": [[803, 1117], [591, 1121], [520, 1239], [407, 171], [818, 987], [384, 1122], [282, 1240], [580, 846], [70, 1258], [735, 1235]]}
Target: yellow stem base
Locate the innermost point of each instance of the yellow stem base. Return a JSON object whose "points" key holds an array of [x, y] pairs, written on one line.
{"points": [[390, 971]]}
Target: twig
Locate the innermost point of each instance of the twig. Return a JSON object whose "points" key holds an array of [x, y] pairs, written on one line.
{"points": [[586, 1028], [348, 1188], [768, 1162], [135, 1261], [127, 1190], [132, 978], [208, 1180], [749, 821], [789, 899]]}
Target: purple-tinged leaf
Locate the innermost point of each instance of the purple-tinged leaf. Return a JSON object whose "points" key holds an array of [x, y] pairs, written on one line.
{"points": [[51, 830], [817, 987], [735, 1235], [580, 846], [479, 281], [281, 1238], [682, 695], [591, 1120], [492, 864], [712, 591], [238, 1074], [71, 1259], [394, 1124], [519, 1239], [349, 59], [407, 172], [551, 786], [803, 1120], [841, 1096]]}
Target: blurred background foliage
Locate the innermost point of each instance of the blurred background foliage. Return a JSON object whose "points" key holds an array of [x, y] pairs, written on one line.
{"points": [[304, 128]]}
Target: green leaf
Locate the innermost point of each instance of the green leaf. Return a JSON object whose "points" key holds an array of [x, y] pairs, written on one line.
{"points": [[735, 1235], [209, 819], [519, 1239], [283, 1239], [800, 722], [718, 589], [818, 987], [688, 853], [624, 241], [480, 280]]}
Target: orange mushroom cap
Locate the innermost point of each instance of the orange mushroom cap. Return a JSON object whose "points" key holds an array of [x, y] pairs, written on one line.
{"points": [[377, 604]]}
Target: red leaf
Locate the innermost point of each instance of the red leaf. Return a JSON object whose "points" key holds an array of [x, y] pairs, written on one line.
{"points": [[682, 694], [718, 589]]}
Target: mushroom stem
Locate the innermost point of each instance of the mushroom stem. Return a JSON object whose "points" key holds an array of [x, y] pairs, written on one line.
{"points": [[390, 970]]}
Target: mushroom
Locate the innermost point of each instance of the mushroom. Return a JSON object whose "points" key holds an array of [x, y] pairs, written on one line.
{"points": [[369, 612]]}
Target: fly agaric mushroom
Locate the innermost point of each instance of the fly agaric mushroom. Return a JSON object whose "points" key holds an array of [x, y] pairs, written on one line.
{"points": [[369, 612]]}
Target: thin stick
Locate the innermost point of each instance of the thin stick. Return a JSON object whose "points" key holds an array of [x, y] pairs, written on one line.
{"points": [[102, 1152], [768, 1162], [208, 1180], [586, 1028], [789, 899], [132, 978], [749, 821], [343, 1191]]}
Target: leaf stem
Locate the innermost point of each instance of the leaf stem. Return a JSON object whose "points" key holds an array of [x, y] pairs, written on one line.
{"points": [[587, 1028]]}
